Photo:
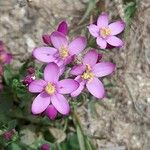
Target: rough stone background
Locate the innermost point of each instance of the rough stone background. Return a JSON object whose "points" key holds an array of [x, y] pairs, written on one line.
{"points": [[122, 121]]}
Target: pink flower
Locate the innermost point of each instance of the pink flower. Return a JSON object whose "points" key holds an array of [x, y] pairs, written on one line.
{"points": [[62, 27], [45, 147], [5, 58], [106, 33], [63, 51], [89, 72], [51, 91]]}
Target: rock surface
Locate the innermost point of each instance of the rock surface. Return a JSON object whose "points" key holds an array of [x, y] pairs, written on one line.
{"points": [[121, 121]]}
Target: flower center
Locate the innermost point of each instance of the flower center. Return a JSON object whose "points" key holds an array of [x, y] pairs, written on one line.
{"points": [[88, 75], [50, 88], [104, 32], [63, 52]]}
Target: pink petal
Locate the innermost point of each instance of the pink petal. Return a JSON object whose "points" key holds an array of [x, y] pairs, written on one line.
{"points": [[68, 60], [37, 86], [45, 54], [117, 27], [80, 88], [77, 70], [63, 27], [51, 112], [67, 86], [8, 58], [78, 91], [94, 30], [96, 88], [103, 69], [46, 39], [58, 40], [40, 103], [5, 57], [90, 58], [51, 73], [61, 104], [62, 69], [114, 41], [101, 42], [77, 45], [102, 20]]}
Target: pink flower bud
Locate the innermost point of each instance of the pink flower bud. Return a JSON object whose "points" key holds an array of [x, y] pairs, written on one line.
{"points": [[45, 147], [9, 134], [28, 79], [46, 39], [5, 58], [31, 70], [51, 112]]}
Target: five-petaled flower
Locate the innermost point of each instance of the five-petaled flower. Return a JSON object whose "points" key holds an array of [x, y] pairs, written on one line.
{"points": [[105, 33], [63, 52], [88, 73], [51, 91]]}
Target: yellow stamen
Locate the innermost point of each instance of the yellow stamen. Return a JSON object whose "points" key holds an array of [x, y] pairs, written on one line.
{"points": [[50, 88], [63, 52], [104, 32], [88, 75]]}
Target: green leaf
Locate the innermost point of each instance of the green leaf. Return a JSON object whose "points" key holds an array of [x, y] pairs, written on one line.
{"points": [[80, 138], [90, 7], [12, 124], [7, 74], [129, 10], [14, 146], [71, 143]]}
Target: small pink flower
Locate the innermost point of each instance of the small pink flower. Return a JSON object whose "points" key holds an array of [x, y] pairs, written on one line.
{"points": [[51, 91], [62, 27], [45, 147], [5, 58], [89, 72], [106, 33], [63, 51]]}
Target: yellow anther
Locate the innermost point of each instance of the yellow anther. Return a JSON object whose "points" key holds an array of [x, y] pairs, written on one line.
{"points": [[50, 88], [88, 75], [104, 32], [63, 52]]}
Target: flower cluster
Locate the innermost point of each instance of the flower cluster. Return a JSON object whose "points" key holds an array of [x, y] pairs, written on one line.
{"points": [[5, 58], [58, 52]]}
